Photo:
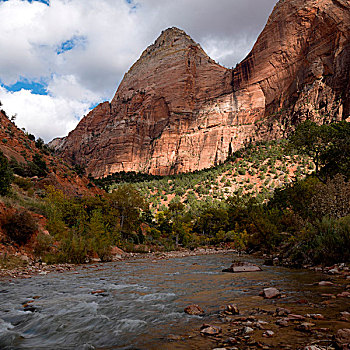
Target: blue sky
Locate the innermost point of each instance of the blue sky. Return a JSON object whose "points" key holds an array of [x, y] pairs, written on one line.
{"points": [[60, 58]]}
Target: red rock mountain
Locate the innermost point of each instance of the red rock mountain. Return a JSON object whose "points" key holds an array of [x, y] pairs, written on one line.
{"points": [[176, 110]]}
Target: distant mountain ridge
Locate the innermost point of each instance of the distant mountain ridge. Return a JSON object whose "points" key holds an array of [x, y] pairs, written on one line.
{"points": [[176, 110]]}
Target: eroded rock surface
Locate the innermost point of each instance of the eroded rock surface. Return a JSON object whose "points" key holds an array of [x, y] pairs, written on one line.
{"points": [[176, 110]]}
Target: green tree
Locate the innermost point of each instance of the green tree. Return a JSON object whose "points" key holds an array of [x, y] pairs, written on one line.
{"points": [[130, 204], [327, 145], [5, 175]]}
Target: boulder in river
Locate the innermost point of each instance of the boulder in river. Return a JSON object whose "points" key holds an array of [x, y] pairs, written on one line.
{"points": [[241, 266], [194, 309], [270, 293]]}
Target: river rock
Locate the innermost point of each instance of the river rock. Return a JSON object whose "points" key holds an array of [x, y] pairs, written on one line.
{"points": [[343, 338], [305, 327], [313, 347], [345, 316], [344, 295], [325, 283], [280, 311], [100, 292], [270, 293], [248, 330], [232, 309], [315, 316], [210, 330], [239, 266], [194, 309], [283, 322], [295, 317], [268, 334]]}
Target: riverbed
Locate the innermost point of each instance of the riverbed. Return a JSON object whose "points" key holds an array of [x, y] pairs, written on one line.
{"points": [[139, 304]]}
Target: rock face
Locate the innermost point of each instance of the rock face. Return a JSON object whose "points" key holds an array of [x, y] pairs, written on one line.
{"points": [[176, 110]]}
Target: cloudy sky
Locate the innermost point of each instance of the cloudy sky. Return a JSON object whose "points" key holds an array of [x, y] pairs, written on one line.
{"points": [[59, 58]]}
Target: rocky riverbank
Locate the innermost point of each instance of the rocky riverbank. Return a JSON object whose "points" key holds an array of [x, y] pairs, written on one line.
{"points": [[28, 268], [321, 324]]}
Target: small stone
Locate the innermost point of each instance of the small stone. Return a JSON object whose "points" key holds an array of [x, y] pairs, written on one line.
{"points": [[315, 316], [312, 347], [239, 266], [325, 283], [30, 308], [283, 322], [334, 272], [280, 311], [305, 327], [173, 337], [248, 330], [345, 316], [270, 293], [268, 334], [295, 317], [99, 292], [232, 309], [344, 295], [231, 341], [329, 296], [210, 330], [194, 309]]}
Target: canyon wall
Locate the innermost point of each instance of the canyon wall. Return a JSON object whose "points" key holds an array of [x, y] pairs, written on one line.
{"points": [[176, 110]]}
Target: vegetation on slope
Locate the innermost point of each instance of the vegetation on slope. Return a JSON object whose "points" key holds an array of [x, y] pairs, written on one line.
{"points": [[306, 217]]}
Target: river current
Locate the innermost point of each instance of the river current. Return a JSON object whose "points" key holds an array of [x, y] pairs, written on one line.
{"points": [[142, 304]]}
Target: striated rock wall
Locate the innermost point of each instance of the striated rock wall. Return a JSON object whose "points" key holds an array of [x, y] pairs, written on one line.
{"points": [[176, 110]]}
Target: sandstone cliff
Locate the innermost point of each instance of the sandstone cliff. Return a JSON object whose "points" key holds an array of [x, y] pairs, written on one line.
{"points": [[176, 110]]}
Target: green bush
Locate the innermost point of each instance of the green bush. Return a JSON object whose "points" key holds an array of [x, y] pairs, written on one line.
{"points": [[5, 175]]}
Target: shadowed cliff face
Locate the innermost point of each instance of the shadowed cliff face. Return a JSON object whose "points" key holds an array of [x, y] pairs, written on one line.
{"points": [[176, 110]]}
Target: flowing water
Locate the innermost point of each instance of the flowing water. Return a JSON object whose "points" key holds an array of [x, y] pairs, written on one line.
{"points": [[142, 304]]}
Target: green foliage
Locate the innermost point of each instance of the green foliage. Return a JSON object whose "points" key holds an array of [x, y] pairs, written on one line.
{"points": [[328, 146], [5, 175], [23, 183], [37, 167]]}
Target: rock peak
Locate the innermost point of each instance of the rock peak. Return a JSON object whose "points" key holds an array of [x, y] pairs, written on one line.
{"points": [[170, 38], [176, 110]]}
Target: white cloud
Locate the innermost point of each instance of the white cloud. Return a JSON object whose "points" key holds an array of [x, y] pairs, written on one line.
{"points": [[106, 36], [43, 115]]}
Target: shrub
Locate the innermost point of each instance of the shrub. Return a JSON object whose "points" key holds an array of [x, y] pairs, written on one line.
{"points": [[5, 175], [23, 183], [20, 226]]}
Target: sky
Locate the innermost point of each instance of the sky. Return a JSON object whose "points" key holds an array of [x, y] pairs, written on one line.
{"points": [[60, 58]]}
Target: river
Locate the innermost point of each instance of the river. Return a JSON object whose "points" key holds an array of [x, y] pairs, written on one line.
{"points": [[142, 303]]}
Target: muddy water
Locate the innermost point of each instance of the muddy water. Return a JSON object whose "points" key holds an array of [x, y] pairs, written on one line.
{"points": [[143, 301]]}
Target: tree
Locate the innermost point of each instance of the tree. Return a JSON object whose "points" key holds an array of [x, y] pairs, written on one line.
{"points": [[309, 139], [5, 175], [130, 204], [327, 145]]}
